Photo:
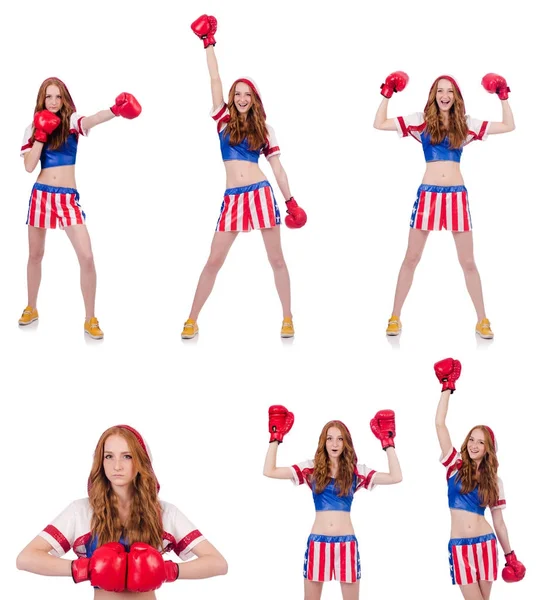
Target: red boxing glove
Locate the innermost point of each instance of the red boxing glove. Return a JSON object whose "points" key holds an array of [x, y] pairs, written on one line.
{"points": [[45, 122], [106, 568], [513, 570], [448, 371], [205, 27], [395, 82], [280, 422], [383, 426], [146, 569], [296, 216], [127, 106], [496, 84]]}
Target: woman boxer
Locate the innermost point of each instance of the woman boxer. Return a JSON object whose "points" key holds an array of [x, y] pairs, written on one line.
{"points": [[333, 476], [443, 129], [249, 201], [121, 530], [473, 484], [52, 139]]}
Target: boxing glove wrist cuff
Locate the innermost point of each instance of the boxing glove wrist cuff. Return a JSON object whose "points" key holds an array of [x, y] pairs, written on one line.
{"points": [[386, 91], [274, 438], [79, 569]]}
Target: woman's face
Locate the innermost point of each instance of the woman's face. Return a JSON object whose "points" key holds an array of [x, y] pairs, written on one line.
{"points": [[445, 95], [118, 461], [476, 446], [242, 97], [53, 99], [334, 442]]}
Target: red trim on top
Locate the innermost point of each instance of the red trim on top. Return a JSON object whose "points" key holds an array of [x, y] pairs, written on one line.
{"points": [[501, 502], [404, 129], [219, 114], [299, 474], [187, 540], [449, 460], [58, 536], [27, 145], [269, 151], [368, 479], [79, 126]]}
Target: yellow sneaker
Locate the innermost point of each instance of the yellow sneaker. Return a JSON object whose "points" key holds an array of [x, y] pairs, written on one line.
{"points": [[394, 326], [287, 328], [483, 329], [191, 329], [29, 316], [91, 327]]}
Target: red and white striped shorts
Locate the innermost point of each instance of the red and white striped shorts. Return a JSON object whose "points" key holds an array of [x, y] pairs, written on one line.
{"points": [[332, 557], [249, 207], [440, 207], [473, 559], [52, 207]]}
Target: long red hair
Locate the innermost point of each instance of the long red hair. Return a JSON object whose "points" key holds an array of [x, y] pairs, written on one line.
{"points": [[251, 126], [457, 129], [346, 463], [61, 133], [144, 523], [485, 475]]}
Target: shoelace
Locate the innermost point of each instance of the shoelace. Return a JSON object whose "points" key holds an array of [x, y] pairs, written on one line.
{"points": [[94, 325], [192, 325], [27, 312]]}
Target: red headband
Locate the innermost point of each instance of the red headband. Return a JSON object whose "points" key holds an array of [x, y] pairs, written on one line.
{"points": [[492, 437]]}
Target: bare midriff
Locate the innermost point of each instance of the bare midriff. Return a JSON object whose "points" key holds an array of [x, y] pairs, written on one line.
{"points": [[242, 172], [103, 595], [443, 173], [58, 176], [467, 524], [332, 522]]}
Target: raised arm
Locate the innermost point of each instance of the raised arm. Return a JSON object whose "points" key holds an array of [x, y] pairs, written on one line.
{"points": [[447, 371], [205, 27], [280, 422], [35, 558], [496, 84], [383, 426], [395, 82]]}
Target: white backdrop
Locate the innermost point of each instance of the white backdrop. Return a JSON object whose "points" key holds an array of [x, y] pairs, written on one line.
{"points": [[152, 190]]}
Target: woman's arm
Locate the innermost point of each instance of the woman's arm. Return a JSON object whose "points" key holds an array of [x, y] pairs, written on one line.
{"points": [[100, 117], [394, 470], [440, 423], [507, 123], [215, 79], [35, 558], [270, 469], [500, 529], [208, 563], [32, 157], [382, 121], [281, 176]]}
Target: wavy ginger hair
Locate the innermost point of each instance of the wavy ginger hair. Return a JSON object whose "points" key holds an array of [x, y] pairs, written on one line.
{"points": [[144, 523], [457, 129], [485, 475], [346, 465], [251, 126], [61, 133]]}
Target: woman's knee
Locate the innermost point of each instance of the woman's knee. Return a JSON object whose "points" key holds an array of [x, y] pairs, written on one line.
{"points": [[35, 255], [468, 265], [277, 262], [411, 260], [215, 262], [86, 260]]}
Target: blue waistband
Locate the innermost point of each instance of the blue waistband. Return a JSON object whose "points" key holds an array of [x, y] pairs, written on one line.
{"points": [[54, 190], [471, 541], [331, 539], [247, 188], [441, 189]]}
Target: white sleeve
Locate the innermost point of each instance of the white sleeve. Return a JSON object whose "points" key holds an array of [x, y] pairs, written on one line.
{"points": [[185, 534], [365, 478], [301, 472], [412, 125], [220, 116], [26, 145], [75, 125], [271, 148], [478, 130], [501, 502], [452, 462], [62, 532]]}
